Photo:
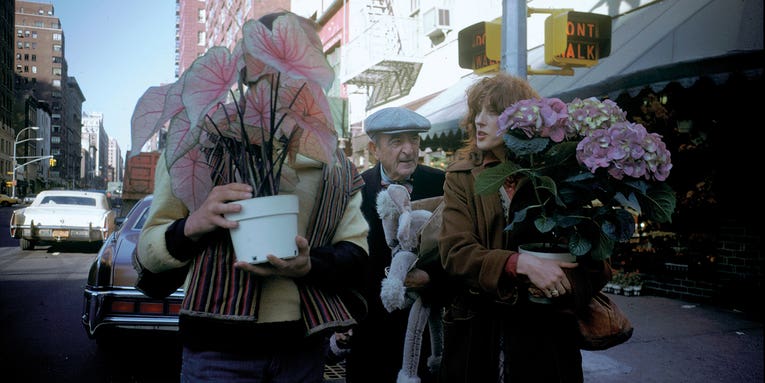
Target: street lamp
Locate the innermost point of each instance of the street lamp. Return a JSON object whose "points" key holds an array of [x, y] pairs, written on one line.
{"points": [[16, 142]]}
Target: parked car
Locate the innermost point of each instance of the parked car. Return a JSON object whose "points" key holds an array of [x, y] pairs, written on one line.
{"points": [[6, 200], [63, 216], [112, 304], [28, 199]]}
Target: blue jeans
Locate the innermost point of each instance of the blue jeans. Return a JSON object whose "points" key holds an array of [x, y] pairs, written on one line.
{"points": [[298, 363]]}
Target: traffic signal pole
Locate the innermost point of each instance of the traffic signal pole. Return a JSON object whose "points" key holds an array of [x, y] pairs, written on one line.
{"points": [[514, 50]]}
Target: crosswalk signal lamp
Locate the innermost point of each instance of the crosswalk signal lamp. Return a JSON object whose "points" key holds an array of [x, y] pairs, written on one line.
{"points": [[52, 162], [577, 39]]}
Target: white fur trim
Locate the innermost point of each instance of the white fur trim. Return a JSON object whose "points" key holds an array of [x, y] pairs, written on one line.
{"points": [[402, 378]]}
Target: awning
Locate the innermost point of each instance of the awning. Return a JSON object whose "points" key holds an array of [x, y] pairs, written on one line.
{"points": [[678, 40]]}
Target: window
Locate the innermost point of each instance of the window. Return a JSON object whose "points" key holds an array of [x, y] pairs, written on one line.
{"points": [[26, 68], [55, 139], [39, 24], [19, 33], [55, 129], [201, 15], [34, 34], [57, 47], [57, 60], [57, 83], [18, 56], [27, 33], [34, 69], [27, 46], [56, 37], [18, 68], [34, 57], [57, 72], [20, 45], [201, 40], [34, 45], [26, 56]]}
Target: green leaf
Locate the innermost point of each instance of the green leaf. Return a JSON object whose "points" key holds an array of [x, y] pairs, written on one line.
{"points": [[544, 224], [578, 245], [525, 146], [602, 249], [561, 152], [491, 179], [659, 203]]}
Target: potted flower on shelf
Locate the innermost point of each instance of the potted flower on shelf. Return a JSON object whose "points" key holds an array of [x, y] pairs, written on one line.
{"points": [[592, 172], [244, 112]]}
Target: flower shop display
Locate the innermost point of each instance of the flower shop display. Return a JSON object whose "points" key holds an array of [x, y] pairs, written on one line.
{"points": [[592, 171], [241, 115]]}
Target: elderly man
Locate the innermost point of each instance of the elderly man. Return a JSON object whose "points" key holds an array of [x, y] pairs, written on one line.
{"points": [[377, 342]]}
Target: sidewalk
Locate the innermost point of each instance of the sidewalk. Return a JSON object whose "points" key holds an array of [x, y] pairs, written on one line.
{"points": [[674, 342]]}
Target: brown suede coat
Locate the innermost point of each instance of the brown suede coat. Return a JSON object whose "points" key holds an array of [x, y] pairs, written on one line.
{"points": [[539, 341]]}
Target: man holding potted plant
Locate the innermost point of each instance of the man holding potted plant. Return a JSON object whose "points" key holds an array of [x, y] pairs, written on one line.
{"points": [[241, 321], [377, 343]]}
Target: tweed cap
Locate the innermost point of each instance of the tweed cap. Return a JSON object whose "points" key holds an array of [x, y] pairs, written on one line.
{"points": [[395, 120]]}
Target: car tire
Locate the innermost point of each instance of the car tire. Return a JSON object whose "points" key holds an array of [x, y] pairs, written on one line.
{"points": [[26, 244]]}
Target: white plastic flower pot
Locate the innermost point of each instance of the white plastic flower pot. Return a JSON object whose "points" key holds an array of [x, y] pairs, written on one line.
{"points": [[267, 225]]}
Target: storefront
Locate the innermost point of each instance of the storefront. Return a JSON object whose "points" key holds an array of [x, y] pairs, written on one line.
{"points": [[687, 70]]}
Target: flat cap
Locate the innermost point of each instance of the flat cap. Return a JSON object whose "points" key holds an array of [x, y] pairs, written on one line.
{"points": [[395, 120]]}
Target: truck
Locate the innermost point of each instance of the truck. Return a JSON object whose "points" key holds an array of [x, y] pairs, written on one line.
{"points": [[139, 178]]}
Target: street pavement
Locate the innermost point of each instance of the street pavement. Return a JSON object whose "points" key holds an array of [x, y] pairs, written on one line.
{"points": [[677, 342]]}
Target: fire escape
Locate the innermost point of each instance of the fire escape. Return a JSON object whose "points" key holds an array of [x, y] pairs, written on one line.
{"points": [[384, 58]]}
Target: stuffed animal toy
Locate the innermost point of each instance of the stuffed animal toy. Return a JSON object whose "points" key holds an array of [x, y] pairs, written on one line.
{"points": [[402, 227]]}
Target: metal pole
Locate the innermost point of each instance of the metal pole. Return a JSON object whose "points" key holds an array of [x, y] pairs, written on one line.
{"points": [[16, 142], [514, 51], [13, 168]]}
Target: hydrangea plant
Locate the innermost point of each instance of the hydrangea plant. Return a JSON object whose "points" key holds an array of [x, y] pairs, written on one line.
{"points": [[260, 105], [592, 172]]}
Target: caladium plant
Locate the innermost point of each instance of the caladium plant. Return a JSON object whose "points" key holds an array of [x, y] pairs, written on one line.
{"points": [[262, 105]]}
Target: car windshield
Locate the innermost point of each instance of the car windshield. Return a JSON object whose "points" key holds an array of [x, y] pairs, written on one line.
{"points": [[69, 200]]}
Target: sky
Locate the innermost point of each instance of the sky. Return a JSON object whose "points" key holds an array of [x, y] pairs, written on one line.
{"points": [[116, 50]]}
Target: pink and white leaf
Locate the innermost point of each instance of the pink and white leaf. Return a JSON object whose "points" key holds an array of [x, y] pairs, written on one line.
{"points": [[191, 181], [147, 115], [208, 82], [288, 48]]}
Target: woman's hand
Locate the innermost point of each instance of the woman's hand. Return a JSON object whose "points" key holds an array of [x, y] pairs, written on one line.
{"points": [[209, 216], [292, 268], [546, 275]]}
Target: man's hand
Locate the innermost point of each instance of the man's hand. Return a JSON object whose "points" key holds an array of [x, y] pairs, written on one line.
{"points": [[416, 278], [291, 268], [209, 216]]}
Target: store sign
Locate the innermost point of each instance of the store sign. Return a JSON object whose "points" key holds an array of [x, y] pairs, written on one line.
{"points": [[577, 39], [475, 43]]}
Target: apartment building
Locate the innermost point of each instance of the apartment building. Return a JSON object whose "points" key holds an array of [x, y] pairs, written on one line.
{"points": [[41, 70]]}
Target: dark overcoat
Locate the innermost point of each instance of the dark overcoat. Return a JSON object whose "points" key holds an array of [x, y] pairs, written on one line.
{"points": [[492, 310], [378, 340]]}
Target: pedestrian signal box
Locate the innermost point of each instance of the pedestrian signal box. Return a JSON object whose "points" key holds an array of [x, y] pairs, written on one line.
{"points": [[479, 46], [576, 39]]}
